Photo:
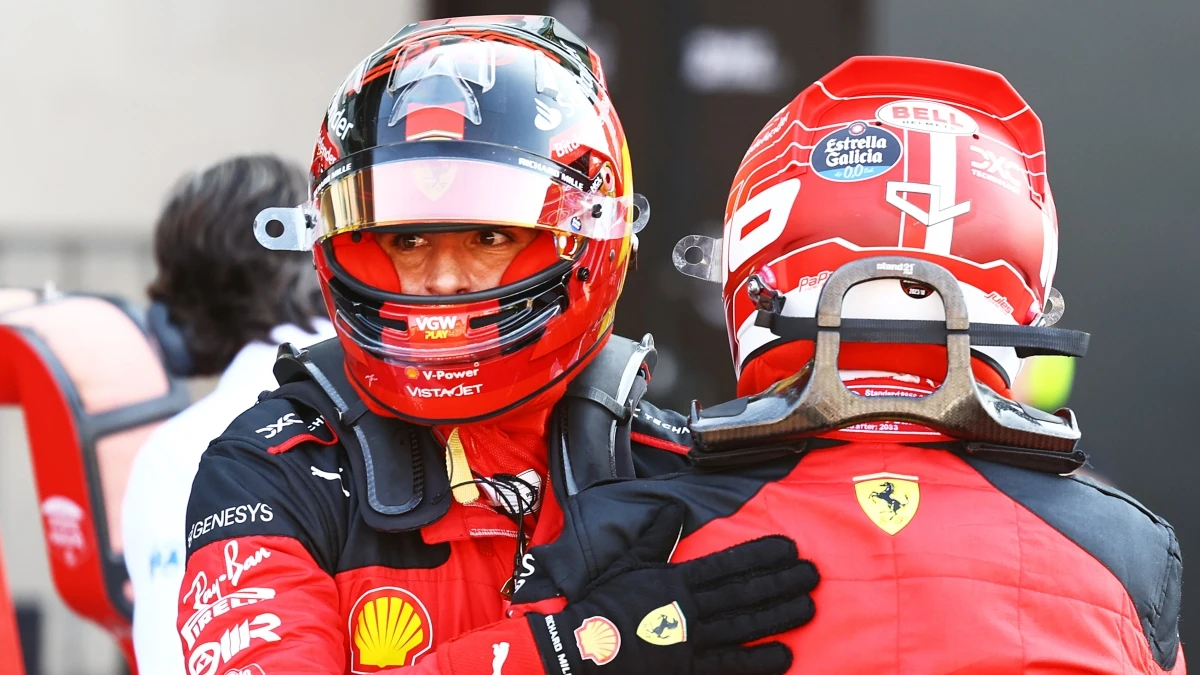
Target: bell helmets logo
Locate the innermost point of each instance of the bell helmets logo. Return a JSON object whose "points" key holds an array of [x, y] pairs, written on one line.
{"points": [[598, 639], [437, 327], [927, 116], [389, 628]]}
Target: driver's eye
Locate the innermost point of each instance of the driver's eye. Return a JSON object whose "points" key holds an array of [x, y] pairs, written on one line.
{"points": [[493, 237], [408, 242]]}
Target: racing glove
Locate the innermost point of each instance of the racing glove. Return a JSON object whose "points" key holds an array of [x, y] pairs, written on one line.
{"points": [[646, 616]]}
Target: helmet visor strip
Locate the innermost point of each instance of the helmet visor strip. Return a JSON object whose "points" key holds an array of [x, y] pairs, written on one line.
{"points": [[488, 185]]}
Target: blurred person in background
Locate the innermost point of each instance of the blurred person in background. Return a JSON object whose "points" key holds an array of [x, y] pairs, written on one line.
{"points": [[220, 305], [889, 250], [472, 219]]}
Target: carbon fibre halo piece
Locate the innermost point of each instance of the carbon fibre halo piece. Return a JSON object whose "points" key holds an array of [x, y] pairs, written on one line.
{"points": [[816, 401]]}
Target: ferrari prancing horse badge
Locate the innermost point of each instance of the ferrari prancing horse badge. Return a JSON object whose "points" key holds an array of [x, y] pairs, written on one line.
{"points": [[890, 500]]}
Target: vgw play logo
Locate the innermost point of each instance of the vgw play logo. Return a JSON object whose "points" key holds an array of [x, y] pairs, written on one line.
{"points": [[856, 152]]}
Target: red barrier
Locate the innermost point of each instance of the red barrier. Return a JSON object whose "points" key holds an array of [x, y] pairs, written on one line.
{"points": [[11, 660], [91, 388]]}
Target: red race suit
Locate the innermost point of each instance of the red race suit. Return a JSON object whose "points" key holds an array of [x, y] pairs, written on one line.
{"points": [[932, 561], [284, 575]]}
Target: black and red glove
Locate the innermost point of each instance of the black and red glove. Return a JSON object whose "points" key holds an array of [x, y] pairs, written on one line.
{"points": [[659, 618]]}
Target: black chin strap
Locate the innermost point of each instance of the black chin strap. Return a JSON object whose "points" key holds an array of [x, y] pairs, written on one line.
{"points": [[1028, 340]]}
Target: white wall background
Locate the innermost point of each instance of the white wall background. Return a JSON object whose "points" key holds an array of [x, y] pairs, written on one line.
{"points": [[103, 105]]}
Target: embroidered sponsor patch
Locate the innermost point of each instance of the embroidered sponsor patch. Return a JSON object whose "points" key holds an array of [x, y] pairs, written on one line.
{"points": [[389, 628], [664, 626], [598, 639], [889, 500], [293, 428]]}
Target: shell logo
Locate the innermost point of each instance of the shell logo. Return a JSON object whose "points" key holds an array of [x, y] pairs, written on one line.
{"points": [[598, 639], [389, 627], [411, 373]]}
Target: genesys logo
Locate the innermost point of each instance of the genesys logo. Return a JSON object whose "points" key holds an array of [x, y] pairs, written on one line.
{"points": [[927, 116], [437, 327], [234, 515], [461, 389]]}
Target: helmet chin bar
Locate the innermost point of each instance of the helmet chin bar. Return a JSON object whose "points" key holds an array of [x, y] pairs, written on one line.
{"points": [[816, 401]]}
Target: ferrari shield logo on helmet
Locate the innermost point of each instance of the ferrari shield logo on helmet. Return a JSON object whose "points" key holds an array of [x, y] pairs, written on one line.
{"points": [[433, 185], [664, 626], [890, 500]]}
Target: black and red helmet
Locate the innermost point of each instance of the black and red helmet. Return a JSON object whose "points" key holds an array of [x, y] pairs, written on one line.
{"points": [[467, 123]]}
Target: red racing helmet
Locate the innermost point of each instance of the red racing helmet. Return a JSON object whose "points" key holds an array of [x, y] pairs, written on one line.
{"points": [[888, 156], [469, 123]]}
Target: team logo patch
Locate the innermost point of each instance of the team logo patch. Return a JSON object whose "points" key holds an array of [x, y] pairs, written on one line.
{"points": [[389, 628], [664, 626], [598, 639], [433, 183], [890, 500], [856, 152]]}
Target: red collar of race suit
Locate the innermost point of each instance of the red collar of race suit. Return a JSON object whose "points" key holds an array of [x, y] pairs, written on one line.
{"points": [[923, 361], [480, 520], [514, 445]]}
